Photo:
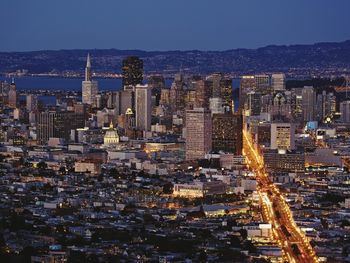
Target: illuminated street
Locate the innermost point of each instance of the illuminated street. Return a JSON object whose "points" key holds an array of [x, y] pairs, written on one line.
{"points": [[276, 211]]}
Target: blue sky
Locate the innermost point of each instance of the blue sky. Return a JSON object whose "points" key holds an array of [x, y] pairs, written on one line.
{"points": [[170, 24]]}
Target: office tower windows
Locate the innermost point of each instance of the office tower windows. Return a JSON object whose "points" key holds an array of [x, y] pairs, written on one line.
{"points": [[198, 133], [215, 78], [282, 136], [216, 105], [278, 82], [204, 89], [226, 94], [247, 85], [58, 125], [345, 111], [143, 107], [132, 70], [227, 133], [253, 103], [177, 95], [262, 83], [31, 102], [308, 103]]}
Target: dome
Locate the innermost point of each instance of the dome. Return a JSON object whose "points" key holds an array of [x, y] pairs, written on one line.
{"points": [[111, 137]]}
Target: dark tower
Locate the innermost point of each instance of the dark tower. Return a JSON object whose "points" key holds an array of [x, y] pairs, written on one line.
{"points": [[132, 71]]}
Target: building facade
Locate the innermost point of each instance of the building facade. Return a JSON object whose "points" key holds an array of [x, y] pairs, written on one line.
{"points": [[132, 70], [89, 86], [227, 133], [198, 133], [143, 107]]}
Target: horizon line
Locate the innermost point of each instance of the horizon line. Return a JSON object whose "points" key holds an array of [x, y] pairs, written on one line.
{"points": [[177, 50]]}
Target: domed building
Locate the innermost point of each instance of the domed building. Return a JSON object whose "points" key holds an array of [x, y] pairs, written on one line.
{"points": [[111, 137]]}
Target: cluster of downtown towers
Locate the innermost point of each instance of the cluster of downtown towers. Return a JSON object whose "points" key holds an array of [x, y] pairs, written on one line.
{"points": [[198, 109]]}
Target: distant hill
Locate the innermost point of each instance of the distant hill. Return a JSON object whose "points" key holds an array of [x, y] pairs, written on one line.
{"points": [[294, 58]]}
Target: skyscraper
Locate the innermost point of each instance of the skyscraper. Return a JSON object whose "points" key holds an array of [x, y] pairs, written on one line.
{"points": [[89, 86], [278, 82], [132, 71], [215, 78], [125, 100], [58, 124], [253, 104], [325, 105], [204, 91], [227, 133], [12, 95], [177, 94], [247, 85], [143, 107], [226, 94], [198, 133], [345, 111], [308, 101], [31, 102], [262, 83], [216, 105]]}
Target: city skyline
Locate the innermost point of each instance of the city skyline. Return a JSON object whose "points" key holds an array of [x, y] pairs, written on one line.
{"points": [[124, 155]]}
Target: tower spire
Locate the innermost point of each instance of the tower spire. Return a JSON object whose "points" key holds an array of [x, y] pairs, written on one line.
{"points": [[88, 62], [88, 68]]}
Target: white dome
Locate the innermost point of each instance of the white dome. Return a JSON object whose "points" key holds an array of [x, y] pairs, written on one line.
{"points": [[111, 136]]}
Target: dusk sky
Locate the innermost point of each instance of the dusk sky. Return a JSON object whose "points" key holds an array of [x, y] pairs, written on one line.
{"points": [[170, 25]]}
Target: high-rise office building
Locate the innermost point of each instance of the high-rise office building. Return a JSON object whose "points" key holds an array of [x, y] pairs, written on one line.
{"points": [[89, 86], [344, 108], [132, 70], [226, 94], [297, 104], [227, 133], [31, 102], [177, 94], [215, 78], [143, 107], [278, 82], [112, 100], [282, 136], [247, 85], [308, 103], [12, 95], [216, 105], [58, 125], [126, 100], [253, 103], [325, 105], [198, 133], [262, 83], [156, 84], [204, 91]]}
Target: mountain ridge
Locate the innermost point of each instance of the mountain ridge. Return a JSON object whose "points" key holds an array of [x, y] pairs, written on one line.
{"points": [[328, 56]]}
